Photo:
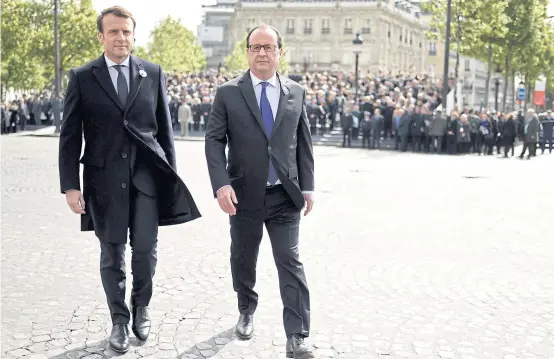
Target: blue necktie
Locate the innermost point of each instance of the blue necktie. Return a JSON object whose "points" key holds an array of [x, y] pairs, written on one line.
{"points": [[267, 116]]}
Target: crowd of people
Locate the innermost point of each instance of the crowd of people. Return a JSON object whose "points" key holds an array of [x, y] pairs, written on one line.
{"points": [[405, 109]]}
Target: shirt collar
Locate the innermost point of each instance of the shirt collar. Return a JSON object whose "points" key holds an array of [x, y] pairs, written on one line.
{"points": [[256, 81], [110, 63]]}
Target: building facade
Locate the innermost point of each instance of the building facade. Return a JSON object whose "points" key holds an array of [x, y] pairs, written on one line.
{"points": [[318, 34], [213, 32]]}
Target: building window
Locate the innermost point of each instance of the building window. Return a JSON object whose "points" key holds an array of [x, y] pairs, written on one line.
{"points": [[250, 23], [308, 26], [290, 26], [325, 27], [406, 36], [347, 26], [268, 21], [432, 48], [389, 32], [411, 37], [467, 65], [367, 28]]}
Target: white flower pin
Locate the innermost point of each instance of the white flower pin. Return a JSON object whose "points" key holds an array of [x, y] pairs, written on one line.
{"points": [[142, 73]]}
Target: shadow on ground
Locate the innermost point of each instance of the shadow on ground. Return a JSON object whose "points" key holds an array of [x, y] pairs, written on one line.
{"points": [[205, 349]]}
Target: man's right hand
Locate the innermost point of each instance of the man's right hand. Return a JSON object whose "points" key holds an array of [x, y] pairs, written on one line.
{"points": [[226, 197], [75, 201]]}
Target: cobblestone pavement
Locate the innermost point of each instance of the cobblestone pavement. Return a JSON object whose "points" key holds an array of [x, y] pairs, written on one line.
{"points": [[407, 256]]}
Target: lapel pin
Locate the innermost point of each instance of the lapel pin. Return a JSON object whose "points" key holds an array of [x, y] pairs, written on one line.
{"points": [[142, 73], [285, 90]]}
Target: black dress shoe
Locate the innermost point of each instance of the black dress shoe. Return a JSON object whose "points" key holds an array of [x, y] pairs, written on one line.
{"points": [[141, 323], [245, 326], [119, 339], [298, 349]]}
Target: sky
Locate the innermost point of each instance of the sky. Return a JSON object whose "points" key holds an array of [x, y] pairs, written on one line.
{"points": [[149, 13]]}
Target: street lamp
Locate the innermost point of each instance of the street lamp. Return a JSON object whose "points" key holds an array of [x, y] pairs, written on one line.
{"points": [[446, 56], [357, 42], [56, 105], [496, 85]]}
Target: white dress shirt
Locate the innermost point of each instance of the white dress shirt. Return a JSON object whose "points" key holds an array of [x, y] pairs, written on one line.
{"points": [[272, 92], [124, 69]]}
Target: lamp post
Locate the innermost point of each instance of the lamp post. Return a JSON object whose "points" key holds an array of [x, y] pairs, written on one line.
{"points": [[56, 105], [357, 42], [496, 85], [446, 57]]}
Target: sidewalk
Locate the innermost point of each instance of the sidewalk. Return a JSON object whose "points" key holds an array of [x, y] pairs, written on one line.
{"points": [[49, 131]]}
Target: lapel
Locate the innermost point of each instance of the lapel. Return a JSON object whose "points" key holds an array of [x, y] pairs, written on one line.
{"points": [[135, 66], [283, 100], [247, 90], [103, 76]]}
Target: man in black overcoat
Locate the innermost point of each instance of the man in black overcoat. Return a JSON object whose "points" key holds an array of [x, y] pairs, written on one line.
{"points": [[118, 102]]}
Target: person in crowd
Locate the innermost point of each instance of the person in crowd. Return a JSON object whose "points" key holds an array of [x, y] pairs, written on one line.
{"points": [[532, 129], [377, 128], [509, 131], [547, 132], [366, 130], [452, 129]]}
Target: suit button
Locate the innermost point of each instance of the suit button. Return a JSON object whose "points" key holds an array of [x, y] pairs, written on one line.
{"points": [[124, 185], [125, 122], [269, 148], [124, 155]]}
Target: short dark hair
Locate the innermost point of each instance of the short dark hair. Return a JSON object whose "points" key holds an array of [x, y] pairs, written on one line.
{"points": [[279, 38], [117, 11]]}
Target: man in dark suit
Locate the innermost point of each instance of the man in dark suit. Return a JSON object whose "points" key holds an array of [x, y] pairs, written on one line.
{"points": [[268, 177], [118, 102], [532, 130], [547, 132]]}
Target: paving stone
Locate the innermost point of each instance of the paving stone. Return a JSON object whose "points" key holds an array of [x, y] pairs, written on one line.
{"points": [[405, 257]]}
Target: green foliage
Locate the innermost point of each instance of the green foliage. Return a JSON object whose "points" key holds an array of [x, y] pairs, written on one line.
{"points": [[28, 40], [517, 30], [477, 23], [20, 68], [238, 59], [174, 47]]}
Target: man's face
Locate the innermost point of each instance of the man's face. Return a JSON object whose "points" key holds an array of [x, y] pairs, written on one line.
{"points": [[263, 53], [117, 36]]}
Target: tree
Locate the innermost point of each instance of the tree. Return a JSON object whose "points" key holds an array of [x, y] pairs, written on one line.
{"points": [[476, 26], [238, 59], [27, 40], [174, 47], [21, 68]]}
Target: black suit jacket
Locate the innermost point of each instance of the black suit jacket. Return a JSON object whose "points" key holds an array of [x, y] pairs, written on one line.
{"points": [[122, 144], [236, 120]]}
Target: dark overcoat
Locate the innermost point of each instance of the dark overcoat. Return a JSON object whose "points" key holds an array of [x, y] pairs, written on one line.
{"points": [[117, 138]]}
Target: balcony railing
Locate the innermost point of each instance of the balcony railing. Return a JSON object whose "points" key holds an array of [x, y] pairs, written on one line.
{"points": [[325, 31], [348, 31]]}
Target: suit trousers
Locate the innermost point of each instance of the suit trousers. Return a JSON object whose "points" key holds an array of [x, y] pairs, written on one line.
{"points": [[549, 141], [143, 232], [282, 221]]}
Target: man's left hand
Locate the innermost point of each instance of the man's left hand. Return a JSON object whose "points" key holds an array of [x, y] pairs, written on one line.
{"points": [[309, 197]]}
